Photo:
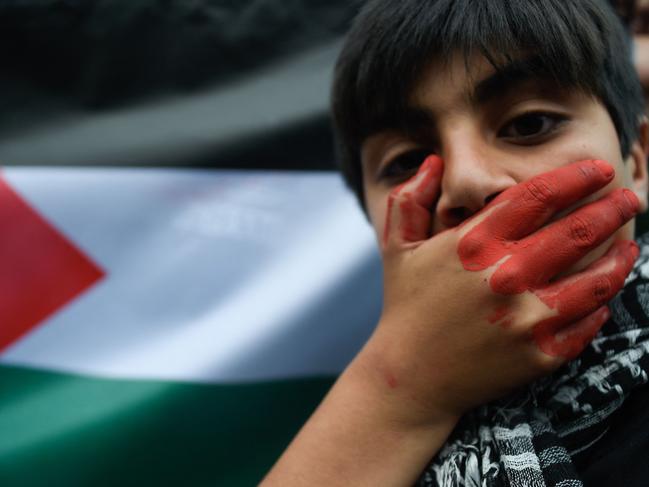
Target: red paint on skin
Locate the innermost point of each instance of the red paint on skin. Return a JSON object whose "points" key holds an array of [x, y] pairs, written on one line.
{"points": [[394, 195], [531, 254], [532, 203], [533, 261], [577, 297], [530, 264], [499, 314], [415, 197], [391, 381], [552, 337], [415, 220]]}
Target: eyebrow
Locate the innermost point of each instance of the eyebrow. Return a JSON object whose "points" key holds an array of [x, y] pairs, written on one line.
{"points": [[497, 85], [507, 78]]}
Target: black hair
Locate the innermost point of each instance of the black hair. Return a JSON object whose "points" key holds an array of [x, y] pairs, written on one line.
{"points": [[581, 44]]}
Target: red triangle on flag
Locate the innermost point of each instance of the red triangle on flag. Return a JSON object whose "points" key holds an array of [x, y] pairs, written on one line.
{"points": [[40, 269]]}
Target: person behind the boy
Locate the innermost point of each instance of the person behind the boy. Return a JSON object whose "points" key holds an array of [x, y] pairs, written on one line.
{"points": [[498, 149]]}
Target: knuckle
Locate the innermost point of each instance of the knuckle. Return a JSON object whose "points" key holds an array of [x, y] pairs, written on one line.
{"points": [[582, 232], [619, 211], [590, 171], [471, 246], [586, 172], [508, 280], [602, 289], [540, 189], [622, 210]]}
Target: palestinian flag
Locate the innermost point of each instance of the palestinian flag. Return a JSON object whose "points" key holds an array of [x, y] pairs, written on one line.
{"points": [[170, 327], [182, 272]]}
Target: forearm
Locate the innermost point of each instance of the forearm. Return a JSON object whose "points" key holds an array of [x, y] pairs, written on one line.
{"points": [[359, 436], [481, 327]]}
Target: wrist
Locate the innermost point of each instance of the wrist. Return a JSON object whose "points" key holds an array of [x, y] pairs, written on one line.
{"points": [[400, 398], [362, 434]]}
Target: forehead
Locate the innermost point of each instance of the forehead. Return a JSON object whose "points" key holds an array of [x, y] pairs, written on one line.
{"points": [[475, 86], [480, 80], [456, 68], [445, 80]]}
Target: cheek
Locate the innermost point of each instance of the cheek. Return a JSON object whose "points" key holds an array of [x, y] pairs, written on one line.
{"points": [[378, 222], [591, 142], [376, 206]]}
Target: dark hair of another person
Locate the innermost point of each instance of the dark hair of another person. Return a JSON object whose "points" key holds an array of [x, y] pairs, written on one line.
{"points": [[580, 44]]}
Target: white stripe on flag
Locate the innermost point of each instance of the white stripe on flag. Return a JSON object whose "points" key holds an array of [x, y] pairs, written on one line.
{"points": [[212, 276]]}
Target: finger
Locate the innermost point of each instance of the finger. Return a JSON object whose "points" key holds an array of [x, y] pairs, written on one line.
{"points": [[526, 207], [579, 302], [580, 294], [408, 216], [570, 340], [550, 251]]}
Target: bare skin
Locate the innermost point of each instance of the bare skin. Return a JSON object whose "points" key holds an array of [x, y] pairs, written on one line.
{"points": [[396, 404], [461, 325]]}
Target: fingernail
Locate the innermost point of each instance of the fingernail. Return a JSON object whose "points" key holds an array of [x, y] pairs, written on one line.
{"points": [[434, 164], [427, 164], [631, 199], [605, 168]]}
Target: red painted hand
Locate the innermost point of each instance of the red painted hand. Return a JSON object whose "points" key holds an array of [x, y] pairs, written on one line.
{"points": [[523, 261], [478, 310]]}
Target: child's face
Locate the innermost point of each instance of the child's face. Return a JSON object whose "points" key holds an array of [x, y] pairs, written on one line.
{"points": [[493, 134]]}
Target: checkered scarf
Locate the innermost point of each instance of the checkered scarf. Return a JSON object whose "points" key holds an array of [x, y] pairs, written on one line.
{"points": [[528, 438]]}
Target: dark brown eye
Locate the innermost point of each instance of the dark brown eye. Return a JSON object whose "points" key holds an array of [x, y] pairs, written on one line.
{"points": [[531, 126], [527, 126], [404, 165]]}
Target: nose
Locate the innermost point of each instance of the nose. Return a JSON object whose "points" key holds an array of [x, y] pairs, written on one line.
{"points": [[473, 176]]}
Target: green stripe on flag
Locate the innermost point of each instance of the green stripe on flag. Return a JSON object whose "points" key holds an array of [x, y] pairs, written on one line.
{"points": [[66, 430]]}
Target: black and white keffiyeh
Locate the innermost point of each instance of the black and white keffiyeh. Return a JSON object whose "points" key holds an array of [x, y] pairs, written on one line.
{"points": [[527, 440]]}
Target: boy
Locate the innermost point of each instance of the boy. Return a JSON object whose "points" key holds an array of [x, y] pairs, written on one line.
{"points": [[499, 151]]}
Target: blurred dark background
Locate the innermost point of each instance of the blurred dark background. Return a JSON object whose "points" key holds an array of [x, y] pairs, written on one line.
{"points": [[207, 83], [173, 83], [178, 83]]}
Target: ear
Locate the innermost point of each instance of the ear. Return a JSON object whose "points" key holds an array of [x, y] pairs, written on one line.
{"points": [[637, 164]]}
